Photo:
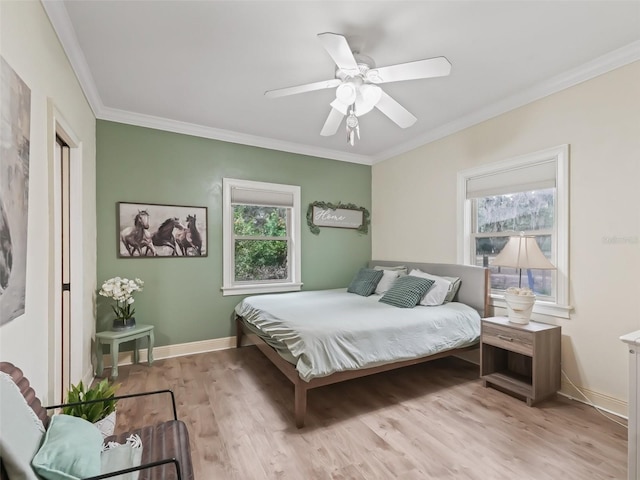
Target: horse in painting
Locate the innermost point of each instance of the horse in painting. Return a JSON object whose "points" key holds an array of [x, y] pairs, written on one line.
{"points": [[164, 236], [137, 238], [189, 239]]}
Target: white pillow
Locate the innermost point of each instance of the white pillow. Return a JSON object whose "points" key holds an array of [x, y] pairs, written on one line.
{"points": [[117, 456], [401, 269], [388, 278], [437, 293]]}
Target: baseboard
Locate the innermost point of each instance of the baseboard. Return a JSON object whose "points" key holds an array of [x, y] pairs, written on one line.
{"points": [[178, 350], [88, 377], [606, 403]]}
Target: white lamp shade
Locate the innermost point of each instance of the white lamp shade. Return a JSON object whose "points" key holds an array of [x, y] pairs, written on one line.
{"points": [[522, 252], [346, 93], [367, 98]]}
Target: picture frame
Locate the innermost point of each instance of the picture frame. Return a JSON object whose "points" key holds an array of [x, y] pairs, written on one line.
{"points": [[349, 216], [15, 118], [151, 230]]}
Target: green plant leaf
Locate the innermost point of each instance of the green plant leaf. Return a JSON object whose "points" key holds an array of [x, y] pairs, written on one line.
{"points": [[95, 411]]}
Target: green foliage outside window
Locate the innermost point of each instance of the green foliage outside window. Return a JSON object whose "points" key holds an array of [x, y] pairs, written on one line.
{"points": [[531, 212], [261, 251], [514, 212], [523, 211]]}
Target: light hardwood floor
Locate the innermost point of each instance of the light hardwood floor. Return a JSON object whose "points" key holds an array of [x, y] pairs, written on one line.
{"points": [[430, 421]]}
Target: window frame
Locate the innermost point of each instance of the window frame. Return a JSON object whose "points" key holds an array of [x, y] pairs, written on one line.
{"points": [[560, 154], [293, 282]]}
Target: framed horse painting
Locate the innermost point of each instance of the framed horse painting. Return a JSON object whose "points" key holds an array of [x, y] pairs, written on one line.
{"points": [[149, 230]]}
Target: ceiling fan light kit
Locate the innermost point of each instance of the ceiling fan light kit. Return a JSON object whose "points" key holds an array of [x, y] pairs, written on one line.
{"points": [[347, 91], [367, 98], [357, 91]]}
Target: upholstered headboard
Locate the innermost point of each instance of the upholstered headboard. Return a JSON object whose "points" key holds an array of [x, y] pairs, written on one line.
{"points": [[474, 281]]}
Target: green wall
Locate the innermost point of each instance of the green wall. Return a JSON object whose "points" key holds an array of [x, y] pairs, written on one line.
{"points": [[182, 296]]}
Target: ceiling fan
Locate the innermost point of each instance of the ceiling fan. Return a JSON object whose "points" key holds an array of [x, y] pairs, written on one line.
{"points": [[357, 91]]}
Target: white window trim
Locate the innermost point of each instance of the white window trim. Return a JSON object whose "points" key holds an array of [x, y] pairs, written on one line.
{"points": [[229, 287], [561, 307]]}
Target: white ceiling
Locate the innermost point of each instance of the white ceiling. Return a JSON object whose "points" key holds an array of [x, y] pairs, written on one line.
{"points": [[201, 67]]}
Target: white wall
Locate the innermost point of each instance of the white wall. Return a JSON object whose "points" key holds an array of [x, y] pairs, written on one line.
{"points": [[30, 46], [414, 212]]}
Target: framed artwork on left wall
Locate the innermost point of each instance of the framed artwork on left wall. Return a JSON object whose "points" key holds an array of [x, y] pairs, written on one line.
{"points": [[15, 131], [150, 230]]}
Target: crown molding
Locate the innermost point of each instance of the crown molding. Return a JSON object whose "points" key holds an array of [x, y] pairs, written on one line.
{"points": [[160, 123], [599, 66], [59, 18], [61, 22]]}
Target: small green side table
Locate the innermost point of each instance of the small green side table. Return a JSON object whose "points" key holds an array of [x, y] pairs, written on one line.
{"points": [[114, 339]]}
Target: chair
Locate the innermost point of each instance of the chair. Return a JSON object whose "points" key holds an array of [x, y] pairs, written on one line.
{"points": [[166, 453]]}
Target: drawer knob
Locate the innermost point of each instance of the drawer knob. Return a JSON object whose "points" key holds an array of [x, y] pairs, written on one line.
{"points": [[504, 337]]}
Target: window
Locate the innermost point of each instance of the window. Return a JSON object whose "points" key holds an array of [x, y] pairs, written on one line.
{"points": [[261, 229], [496, 217], [527, 194]]}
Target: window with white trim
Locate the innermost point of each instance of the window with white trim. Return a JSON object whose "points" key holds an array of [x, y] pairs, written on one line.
{"points": [[261, 234], [530, 195]]}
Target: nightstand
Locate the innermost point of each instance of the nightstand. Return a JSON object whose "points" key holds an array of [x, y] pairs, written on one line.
{"points": [[520, 359], [115, 338]]}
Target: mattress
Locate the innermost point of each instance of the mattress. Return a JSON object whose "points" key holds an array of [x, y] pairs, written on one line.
{"points": [[328, 331]]}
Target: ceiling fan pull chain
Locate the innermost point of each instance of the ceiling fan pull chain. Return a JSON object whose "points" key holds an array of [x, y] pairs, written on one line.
{"points": [[352, 124]]}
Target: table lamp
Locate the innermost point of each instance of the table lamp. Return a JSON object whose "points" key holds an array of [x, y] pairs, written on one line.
{"points": [[521, 252]]}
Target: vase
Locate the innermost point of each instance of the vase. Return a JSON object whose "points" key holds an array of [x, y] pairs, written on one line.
{"points": [[519, 307], [107, 425], [123, 324]]}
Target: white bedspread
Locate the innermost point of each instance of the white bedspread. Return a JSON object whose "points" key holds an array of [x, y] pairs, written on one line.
{"points": [[329, 331]]}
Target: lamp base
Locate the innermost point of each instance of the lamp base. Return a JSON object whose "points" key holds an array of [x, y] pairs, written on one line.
{"points": [[519, 307]]}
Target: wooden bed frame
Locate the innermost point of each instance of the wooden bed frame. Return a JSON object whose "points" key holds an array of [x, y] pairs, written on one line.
{"points": [[474, 291]]}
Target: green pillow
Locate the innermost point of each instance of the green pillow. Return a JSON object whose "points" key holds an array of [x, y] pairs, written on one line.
{"points": [[70, 451], [407, 291], [365, 281]]}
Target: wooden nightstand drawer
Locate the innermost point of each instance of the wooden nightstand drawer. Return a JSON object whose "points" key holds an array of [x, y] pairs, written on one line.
{"points": [[512, 339]]}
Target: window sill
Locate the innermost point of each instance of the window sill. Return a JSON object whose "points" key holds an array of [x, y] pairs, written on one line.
{"points": [[540, 307], [261, 288]]}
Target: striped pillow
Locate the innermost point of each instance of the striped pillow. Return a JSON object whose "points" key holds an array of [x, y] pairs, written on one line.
{"points": [[407, 291], [365, 281]]}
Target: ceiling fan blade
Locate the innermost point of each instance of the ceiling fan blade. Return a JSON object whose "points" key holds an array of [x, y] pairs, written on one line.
{"points": [[309, 87], [431, 67], [333, 122], [339, 50], [341, 107], [395, 111]]}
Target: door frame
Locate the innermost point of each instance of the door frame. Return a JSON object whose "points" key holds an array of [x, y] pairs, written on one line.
{"points": [[76, 335]]}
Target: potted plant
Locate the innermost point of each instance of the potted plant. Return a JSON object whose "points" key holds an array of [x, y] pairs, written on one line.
{"points": [[122, 290], [101, 414]]}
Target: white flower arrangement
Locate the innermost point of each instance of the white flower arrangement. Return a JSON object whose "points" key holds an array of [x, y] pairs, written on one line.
{"points": [[121, 290], [520, 291]]}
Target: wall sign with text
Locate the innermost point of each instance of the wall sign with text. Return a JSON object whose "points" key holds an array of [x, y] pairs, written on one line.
{"points": [[322, 214]]}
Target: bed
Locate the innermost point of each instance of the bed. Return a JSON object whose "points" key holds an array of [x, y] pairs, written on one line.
{"points": [[317, 338]]}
